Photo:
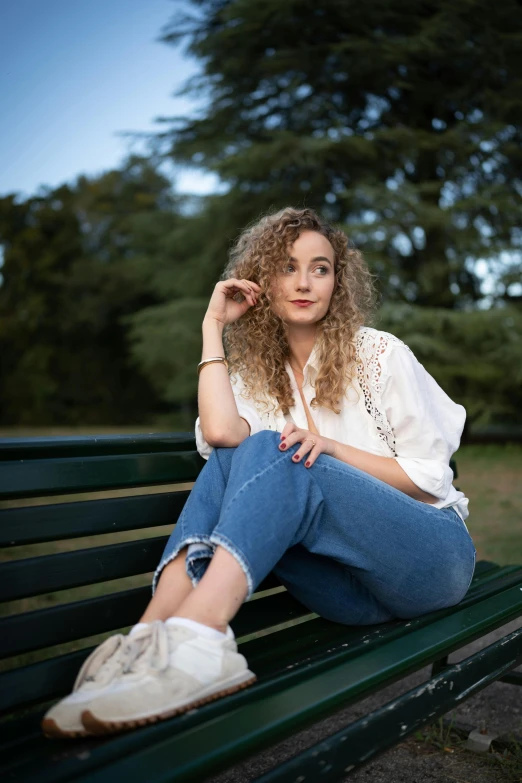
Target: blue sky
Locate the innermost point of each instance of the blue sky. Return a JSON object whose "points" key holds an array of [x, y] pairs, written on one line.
{"points": [[73, 73]]}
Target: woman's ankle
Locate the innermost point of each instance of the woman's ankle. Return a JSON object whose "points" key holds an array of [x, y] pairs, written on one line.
{"points": [[173, 588], [201, 620], [211, 631]]}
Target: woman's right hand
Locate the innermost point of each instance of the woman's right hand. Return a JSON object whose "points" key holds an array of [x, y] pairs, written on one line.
{"points": [[223, 308]]}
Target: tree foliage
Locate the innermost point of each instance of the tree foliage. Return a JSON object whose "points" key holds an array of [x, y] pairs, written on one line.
{"points": [[401, 121], [74, 260]]}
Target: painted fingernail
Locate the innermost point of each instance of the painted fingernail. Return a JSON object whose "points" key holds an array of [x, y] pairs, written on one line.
{"points": [[283, 437], [296, 457], [307, 464], [282, 446]]}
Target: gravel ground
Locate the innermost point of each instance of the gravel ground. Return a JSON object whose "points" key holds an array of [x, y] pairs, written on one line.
{"points": [[497, 708]]}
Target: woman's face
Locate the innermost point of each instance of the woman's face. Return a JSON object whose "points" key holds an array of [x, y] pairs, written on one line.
{"points": [[306, 282]]}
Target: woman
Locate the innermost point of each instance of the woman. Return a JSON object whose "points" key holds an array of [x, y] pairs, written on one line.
{"points": [[328, 450]]}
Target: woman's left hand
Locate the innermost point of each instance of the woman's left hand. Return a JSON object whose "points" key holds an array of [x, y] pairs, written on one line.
{"points": [[311, 444]]}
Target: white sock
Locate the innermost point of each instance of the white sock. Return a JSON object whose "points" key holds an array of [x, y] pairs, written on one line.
{"points": [[204, 630], [137, 627]]}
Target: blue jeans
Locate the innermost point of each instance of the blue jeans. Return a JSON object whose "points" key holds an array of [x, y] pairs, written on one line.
{"points": [[350, 547]]}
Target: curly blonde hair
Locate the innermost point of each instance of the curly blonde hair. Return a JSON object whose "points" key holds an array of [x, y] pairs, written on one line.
{"points": [[256, 344]]}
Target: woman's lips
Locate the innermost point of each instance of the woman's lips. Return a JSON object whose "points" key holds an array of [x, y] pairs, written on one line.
{"points": [[302, 303]]}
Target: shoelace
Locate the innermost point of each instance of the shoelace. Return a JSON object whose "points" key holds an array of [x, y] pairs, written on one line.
{"points": [[148, 648], [100, 656], [113, 656]]}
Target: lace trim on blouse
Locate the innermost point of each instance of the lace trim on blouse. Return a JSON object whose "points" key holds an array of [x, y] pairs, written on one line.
{"points": [[370, 345]]}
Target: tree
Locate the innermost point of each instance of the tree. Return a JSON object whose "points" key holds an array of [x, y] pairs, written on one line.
{"points": [[40, 239], [400, 121], [77, 261]]}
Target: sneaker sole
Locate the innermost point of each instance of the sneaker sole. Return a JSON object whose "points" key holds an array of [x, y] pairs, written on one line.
{"points": [[51, 730], [96, 726]]}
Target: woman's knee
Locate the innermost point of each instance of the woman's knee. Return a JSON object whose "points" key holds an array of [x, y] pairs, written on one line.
{"points": [[223, 456], [260, 440]]}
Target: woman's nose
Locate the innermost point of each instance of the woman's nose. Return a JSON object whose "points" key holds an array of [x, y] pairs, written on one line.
{"points": [[303, 282]]}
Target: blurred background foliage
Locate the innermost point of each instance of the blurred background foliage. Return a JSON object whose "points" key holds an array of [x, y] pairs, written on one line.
{"points": [[399, 122]]}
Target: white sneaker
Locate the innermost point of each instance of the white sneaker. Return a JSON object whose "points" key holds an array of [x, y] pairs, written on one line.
{"points": [[180, 669], [98, 672]]}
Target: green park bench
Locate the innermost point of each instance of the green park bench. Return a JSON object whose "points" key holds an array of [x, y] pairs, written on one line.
{"points": [[306, 671]]}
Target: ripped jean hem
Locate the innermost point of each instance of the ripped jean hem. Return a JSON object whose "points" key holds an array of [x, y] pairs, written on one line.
{"points": [[199, 539], [220, 540], [209, 543]]}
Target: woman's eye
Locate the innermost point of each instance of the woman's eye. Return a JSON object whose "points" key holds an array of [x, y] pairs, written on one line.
{"points": [[323, 268], [288, 268]]}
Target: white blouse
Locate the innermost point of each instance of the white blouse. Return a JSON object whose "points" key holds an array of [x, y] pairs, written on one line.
{"points": [[393, 408]]}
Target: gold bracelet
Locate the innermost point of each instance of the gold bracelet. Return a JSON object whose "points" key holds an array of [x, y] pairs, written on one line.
{"points": [[211, 360]]}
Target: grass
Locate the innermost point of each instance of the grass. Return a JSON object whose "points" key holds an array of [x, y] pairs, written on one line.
{"points": [[442, 737], [491, 477]]}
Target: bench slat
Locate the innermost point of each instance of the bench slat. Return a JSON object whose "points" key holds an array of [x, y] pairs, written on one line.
{"points": [[49, 475], [37, 478], [94, 445], [21, 633], [36, 630], [53, 522], [38, 575]]}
